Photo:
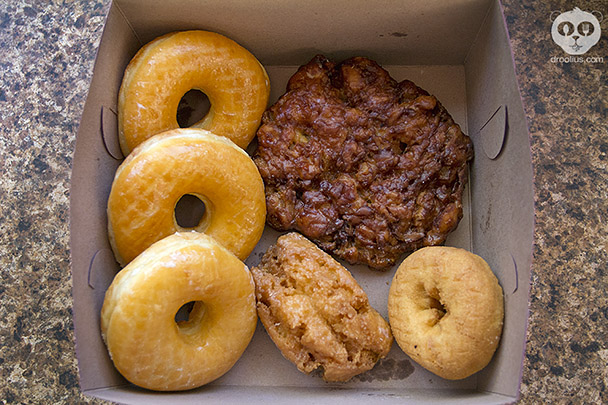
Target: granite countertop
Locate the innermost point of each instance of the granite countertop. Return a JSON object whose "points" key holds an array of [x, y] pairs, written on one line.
{"points": [[48, 51]]}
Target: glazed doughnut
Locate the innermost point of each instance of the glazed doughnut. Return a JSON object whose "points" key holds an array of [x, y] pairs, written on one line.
{"points": [[148, 347], [445, 309], [153, 178], [165, 69]]}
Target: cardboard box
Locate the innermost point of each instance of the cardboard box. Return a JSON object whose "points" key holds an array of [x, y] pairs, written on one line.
{"points": [[458, 51]]}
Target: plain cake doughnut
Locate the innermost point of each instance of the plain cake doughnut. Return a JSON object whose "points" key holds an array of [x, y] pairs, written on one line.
{"points": [[153, 178], [148, 347], [165, 69], [445, 309]]}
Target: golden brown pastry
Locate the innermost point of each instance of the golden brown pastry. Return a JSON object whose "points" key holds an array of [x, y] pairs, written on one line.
{"points": [[153, 178], [148, 347], [165, 69], [316, 313], [445, 308]]}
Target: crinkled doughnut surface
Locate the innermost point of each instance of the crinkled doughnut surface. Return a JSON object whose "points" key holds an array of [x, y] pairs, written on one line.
{"points": [[165, 69], [150, 182], [148, 347], [316, 313], [367, 167]]}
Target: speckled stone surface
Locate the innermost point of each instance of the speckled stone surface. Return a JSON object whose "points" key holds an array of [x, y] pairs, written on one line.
{"points": [[46, 60], [48, 51], [567, 109]]}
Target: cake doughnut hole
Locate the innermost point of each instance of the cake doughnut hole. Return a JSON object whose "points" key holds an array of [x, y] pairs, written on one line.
{"points": [[171, 68], [176, 168], [446, 310], [152, 349], [183, 313]]}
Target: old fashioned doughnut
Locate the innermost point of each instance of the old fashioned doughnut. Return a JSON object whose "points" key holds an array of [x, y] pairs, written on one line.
{"points": [[153, 178], [148, 347], [366, 167], [316, 312], [165, 69], [445, 309]]}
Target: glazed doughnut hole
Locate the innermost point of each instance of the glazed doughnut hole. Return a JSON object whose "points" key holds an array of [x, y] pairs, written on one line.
{"points": [[189, 317], [190, 212], [183, 313], [192, 108]]}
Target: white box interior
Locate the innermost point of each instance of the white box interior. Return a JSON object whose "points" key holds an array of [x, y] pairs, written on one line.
{"points": [[458, 51]]}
